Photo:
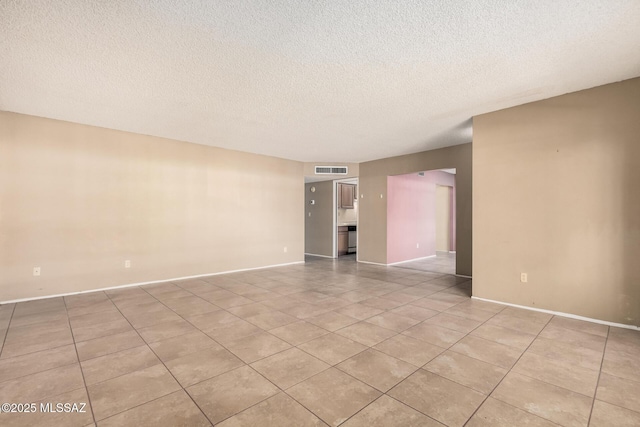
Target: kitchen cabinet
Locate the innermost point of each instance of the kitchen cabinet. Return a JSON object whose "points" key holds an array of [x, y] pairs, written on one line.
{"points": [[346, 195], [343, 240]]}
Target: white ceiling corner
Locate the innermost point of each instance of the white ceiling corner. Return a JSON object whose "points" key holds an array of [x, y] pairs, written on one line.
{"points": [[332, 80]]}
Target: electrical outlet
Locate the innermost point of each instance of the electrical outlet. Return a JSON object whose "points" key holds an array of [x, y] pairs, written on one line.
{"points": [[417, 245], [523, 277], [285, 249], [36, 271], [127, 264]]}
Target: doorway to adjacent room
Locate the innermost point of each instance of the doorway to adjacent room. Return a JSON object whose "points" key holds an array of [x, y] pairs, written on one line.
{"points": [[421, 218]]}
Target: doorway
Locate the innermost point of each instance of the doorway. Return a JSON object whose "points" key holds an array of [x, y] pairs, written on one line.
{"points": [[345, 218], [421, 217]]}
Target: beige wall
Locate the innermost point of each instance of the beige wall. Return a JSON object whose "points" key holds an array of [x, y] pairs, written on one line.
{"points": [[318, 234], [443, 217], [78, 201], [372, 224], [556, 195]]}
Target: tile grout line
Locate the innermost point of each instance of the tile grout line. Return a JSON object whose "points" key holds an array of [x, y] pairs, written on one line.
{"points": [[196, 295], [341, 371], [505, 376], [4, 340], [422, 367], [245, 365], [617, 405], [263, 288], [249, 364], [372, 348], [357, 289], [298, 320], [417, 368], [44, 370], [336, 364], [365, 406], [91, 339], [159, 359], [84, 381], [595, 391], [447, 379], [547, 358], [406, 404], [241, 318], [220, 343]]}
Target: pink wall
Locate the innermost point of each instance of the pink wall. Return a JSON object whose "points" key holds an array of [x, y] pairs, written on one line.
{"points": [[411, 214]]}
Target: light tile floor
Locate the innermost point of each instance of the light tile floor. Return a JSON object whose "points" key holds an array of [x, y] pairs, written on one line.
{"points": [[324, 343]]}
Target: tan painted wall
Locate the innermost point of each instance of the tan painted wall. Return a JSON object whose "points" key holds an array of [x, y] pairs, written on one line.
{"points": [[556, 195], [443, 217], [318, 234], [372, 224], [78, 200]]}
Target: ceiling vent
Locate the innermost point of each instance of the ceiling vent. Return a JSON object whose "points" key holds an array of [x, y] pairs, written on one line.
{"points": [[331, 170]]}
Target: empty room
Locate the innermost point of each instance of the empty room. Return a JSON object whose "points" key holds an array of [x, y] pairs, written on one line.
{"points": [[320, 213]]}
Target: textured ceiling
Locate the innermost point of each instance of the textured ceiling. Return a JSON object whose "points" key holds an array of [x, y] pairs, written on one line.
{"points": [[324, 80]]}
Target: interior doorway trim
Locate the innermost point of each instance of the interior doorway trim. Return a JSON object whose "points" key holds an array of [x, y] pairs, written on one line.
{"points": [[335, 214]]}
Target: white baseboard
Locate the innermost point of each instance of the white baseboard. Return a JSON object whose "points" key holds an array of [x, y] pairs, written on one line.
{"points": [[414, 259], [395, 263], [130, 285], [373, 263], [561, 314], [321, 256]]}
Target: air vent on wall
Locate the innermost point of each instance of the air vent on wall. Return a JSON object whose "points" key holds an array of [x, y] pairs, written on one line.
{"points": [[331, 170]]}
